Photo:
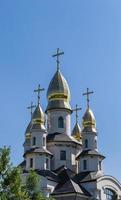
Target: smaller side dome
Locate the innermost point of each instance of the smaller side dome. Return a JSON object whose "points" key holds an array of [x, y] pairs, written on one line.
{"points": [[28, 131], [76, 133], [38, 118], [89, 119]]}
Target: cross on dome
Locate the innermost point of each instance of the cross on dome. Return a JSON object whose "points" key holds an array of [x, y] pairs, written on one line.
{"points": [[38, 91], [87, 95], [76, 111], [58, 53], [31, 108]]}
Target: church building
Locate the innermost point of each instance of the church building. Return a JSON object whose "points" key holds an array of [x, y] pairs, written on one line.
{"points": [[67, 159]]}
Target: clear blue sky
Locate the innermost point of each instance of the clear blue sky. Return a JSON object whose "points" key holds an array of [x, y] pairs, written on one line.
{"points": [[89, 32]]}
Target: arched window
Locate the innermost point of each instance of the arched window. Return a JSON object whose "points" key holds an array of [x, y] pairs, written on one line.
{"points": [[85, 164], [60, 122], [43, 141], [34, 141], [86, 143], [110, 194]]}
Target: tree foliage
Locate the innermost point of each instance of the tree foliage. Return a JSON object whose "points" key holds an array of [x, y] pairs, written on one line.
{"points": [[11, 185]]}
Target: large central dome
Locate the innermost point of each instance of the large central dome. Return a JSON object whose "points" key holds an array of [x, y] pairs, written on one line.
{"points": [[58, 87], [58, 93]]}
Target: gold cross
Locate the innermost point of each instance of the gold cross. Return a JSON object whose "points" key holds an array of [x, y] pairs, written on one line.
{"points": [[57, 55], [38, 91], [87, 94], [31, 108], [76, 110]]}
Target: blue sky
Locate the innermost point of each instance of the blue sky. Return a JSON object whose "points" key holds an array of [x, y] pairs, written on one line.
{"points": [[89, 32]]}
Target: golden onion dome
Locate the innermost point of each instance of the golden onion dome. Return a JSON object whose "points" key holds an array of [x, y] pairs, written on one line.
{"points": [[58, 87], [89, 119], [76, 133], [38, 118], [58, 93]]}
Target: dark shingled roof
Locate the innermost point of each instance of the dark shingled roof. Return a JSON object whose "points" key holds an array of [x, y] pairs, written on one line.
{"points": [[90, 152], [86, 176], [67, 183], [38, 150], [61, 137], [49, 175], [46, 173]]}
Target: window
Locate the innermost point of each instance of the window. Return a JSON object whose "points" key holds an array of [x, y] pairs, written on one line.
{"points": [[43, 142], [86, 143], [31, 162], [99, 165], [60, 122], [85, 164], [34, 141], [47, 163], [110, 194], [62, 155]]}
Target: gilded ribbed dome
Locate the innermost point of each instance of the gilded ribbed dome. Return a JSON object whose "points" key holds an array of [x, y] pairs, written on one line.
{"points": [[76, 133], [38, 118], [89, 119], [58, 93], [58, 87]]}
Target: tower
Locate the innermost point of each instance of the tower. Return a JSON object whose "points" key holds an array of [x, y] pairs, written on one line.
{"points": [[89, 159], [37, 156], [58, 109], [59, 140]]}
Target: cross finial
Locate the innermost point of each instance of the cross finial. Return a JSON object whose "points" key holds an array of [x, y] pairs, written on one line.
{"points": [[38, 91], [31, 108], [76, 111], [87, 94], [58, 53]]}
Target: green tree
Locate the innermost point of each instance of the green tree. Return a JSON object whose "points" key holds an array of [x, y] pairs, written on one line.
{"points": [[33, 187], [11, 186]]}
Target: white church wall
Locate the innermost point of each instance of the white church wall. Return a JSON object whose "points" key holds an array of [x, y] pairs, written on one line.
{"points": [[53, 121], [39, 139], [92, 140], [92, 164], [108, 182], [55, 149], [39, 161]]}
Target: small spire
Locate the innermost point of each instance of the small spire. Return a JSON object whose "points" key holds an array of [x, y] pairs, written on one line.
{"points": [[57, 55], [87, 94], [38, 91], [76, 111], [31, 108]]}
